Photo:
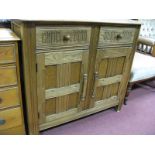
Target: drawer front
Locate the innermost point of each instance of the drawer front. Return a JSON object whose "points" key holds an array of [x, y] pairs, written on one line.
{"points": [[116, 35], [55, 37], [8, 76], [10, 118], [9, 97], [7, 54]]}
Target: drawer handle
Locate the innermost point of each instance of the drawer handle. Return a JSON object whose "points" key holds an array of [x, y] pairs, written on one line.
{"points": [[96, 76], [66, 37], [85, 77], [1, 100], [2, 121], [118, 37]]}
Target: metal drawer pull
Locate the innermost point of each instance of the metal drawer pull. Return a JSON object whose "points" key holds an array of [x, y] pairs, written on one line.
{"points": [[96, 76], [66, 37], [83, 96], [2, 121], [118, 37]]}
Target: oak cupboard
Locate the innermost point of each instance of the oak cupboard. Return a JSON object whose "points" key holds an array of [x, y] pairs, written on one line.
{"points": [[11, 109], [74, 69]]}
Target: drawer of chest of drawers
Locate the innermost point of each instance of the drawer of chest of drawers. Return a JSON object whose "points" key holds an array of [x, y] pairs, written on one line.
{"points": [[9, 97], [10, 118], [116, 36], [56, 37], [7, 53], [8, 76]]}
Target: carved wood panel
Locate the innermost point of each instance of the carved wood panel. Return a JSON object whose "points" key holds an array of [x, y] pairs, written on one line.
{"points": [[116, 35], [62, 36]]}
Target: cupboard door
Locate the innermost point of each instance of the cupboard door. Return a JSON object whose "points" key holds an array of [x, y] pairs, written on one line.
{"points": [[61, 83], [110, 75]]}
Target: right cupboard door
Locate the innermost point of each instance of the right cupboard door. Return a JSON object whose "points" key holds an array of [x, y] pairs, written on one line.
{"points": [[112, 68]]}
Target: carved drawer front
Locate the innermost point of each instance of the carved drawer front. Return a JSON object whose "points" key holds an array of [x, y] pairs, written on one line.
{"points": [[7, 54], [111, 36], [9, 97], [55, 37], [8, 76], [10, 118]]}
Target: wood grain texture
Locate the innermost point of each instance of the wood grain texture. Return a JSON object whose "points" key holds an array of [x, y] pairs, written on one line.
{"points": [[30, 80], [41, 86], [12, 118], [109, 80], [7, 35], [9, 97], [116, 36], [56, 58], [56, 37], [56, 92], [68, 107], [8, 76], [126, 73], [73, 114], [19, 130], [7, 53]]}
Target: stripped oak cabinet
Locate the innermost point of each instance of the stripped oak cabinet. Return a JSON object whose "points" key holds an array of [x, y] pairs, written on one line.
{"points": [[11, 109], [74, 69]]}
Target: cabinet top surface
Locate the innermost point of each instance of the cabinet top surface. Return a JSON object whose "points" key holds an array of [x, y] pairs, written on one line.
{"points": [[68, 21], [7, 35]]}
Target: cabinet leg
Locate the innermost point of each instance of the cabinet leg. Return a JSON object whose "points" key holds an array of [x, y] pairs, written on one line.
{"points": [[129, 88]]}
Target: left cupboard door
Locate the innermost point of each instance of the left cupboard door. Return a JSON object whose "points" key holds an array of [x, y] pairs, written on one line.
{"points": [[61, 85]]}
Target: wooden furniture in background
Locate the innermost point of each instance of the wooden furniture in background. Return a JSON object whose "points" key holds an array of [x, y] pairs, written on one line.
{"points": [[11, 112], [143, 68], [74, 69]]}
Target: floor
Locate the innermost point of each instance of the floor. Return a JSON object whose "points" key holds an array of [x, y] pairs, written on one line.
{"points": [[136, 118]]}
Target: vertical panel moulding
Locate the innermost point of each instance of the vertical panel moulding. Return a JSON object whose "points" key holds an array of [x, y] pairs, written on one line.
{"points": [[105, 91], [41, 87], [113, 73], [63, 79], [102, 74]]}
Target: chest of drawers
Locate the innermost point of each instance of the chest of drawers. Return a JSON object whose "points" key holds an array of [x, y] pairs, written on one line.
{"points": [[11, 112], [74, 69]]}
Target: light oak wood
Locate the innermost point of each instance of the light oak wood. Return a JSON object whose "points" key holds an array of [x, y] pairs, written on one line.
{"points": [[8, 76], [12, 118], [109, 80], [74, 114], [110, 36], [7, 53], [7, 35], [63, 62], [56, 92], [19, 130], [56, 58], [11, 108], [56, 37], [9, 97]]}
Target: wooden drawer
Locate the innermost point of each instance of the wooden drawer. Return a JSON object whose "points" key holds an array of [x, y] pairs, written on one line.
{"points": [[7, 54], [8, 75], [9, 97], [56, 37], [10, 118], [111, 36]]}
